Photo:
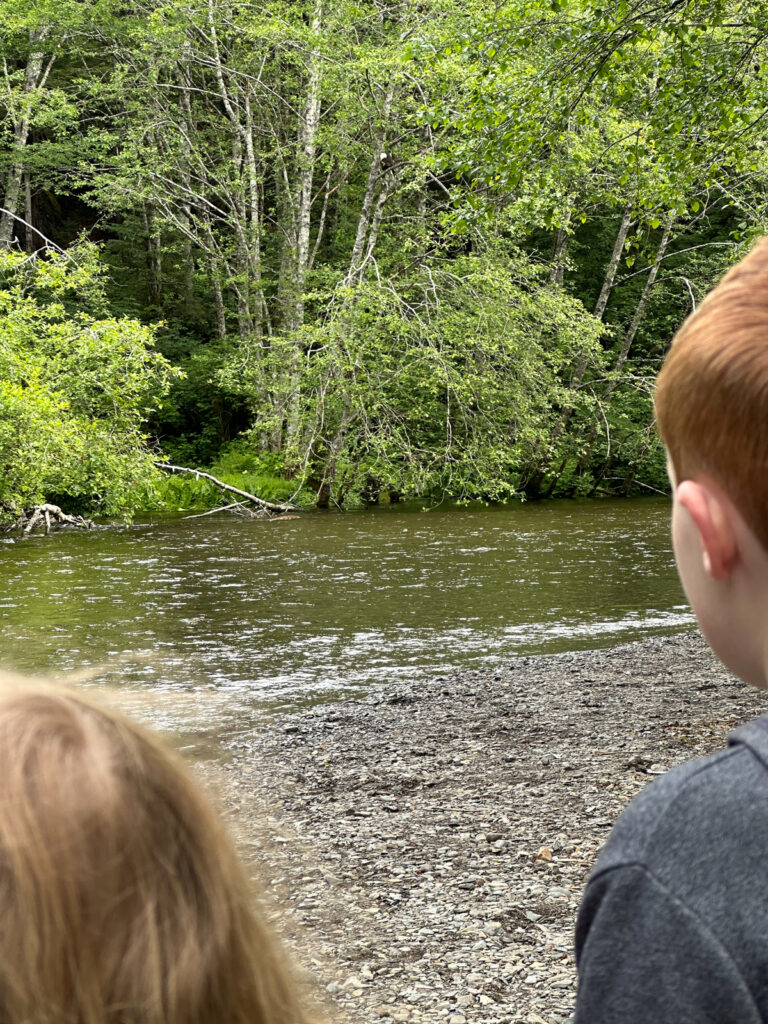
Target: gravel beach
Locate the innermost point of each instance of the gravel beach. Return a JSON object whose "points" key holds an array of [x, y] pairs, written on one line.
{"points": [[423, 849]]}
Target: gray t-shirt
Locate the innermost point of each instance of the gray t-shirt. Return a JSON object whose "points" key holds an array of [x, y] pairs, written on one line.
{"points": [[673, 926]]}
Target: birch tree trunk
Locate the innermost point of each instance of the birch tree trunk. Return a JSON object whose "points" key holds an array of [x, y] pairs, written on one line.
{"points": [[327, 192], [307, 149], [560, 248], [613, 263], [623, 354], [629, 337], [241, 284], [187, 127], [607, 288], [34, 79], [254, 217], [218, 300], [537, 475], [369, 197], [29, 234], [308, 126], [373, 234], [154, 256]]}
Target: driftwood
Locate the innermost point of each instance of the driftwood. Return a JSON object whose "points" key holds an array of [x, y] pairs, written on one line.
{"points": [[265, 507], [239, 509], [49, 515]]}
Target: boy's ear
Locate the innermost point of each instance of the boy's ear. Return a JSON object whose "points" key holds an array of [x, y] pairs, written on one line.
{"points": [[710, 516]]}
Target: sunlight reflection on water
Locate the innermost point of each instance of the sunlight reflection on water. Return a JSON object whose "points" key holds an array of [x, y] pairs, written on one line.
{"points": [[244, 615]]}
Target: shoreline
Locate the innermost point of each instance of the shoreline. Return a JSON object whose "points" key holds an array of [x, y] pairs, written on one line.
{"points": [[423, 848]]}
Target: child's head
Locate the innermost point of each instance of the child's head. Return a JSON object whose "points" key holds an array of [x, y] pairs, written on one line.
{"points": [[121, 898], [712, 396], [712, 412]]}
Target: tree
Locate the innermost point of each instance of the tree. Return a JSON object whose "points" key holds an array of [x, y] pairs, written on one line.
{"points": [[75, 387], [440, 383]]}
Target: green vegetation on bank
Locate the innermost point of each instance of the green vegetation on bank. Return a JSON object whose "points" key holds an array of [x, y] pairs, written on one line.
{"points": [[237, 465], [335, 252]]}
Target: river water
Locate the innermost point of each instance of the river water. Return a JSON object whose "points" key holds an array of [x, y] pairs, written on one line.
{"points": [[238, 616]]}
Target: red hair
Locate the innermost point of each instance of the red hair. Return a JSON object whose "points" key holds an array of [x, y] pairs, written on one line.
{"points": [[712, 395]]}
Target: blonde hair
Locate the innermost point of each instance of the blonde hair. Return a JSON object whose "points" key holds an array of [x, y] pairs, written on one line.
{"points": [[712, 395], [122, 900]]}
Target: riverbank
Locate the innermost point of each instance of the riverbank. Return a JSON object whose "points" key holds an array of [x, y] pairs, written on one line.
{"points": [[424, 849]]}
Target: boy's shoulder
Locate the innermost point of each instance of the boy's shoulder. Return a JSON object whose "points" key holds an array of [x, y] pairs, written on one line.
{"points": [[695, 818], [672, 927]]}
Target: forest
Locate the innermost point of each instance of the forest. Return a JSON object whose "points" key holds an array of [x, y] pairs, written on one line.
{"points": [[337, 252]]}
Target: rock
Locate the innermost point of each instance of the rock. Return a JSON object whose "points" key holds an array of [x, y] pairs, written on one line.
{"points": [[544, 854], [397, 911], [352, 983]]}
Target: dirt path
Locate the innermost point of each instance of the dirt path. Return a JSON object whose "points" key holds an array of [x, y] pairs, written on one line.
{"points": [[423, 849]]}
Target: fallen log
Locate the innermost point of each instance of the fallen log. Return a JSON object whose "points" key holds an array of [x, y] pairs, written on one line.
{"points": [[49, 515], [268, 507]]}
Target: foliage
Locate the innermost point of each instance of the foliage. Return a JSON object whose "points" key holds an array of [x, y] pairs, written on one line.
{"points": [[236, 465], [447, 382], [75, 389], [428, 247]]}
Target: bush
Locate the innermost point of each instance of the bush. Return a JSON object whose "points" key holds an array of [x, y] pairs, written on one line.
{"points": [[76, 386]]}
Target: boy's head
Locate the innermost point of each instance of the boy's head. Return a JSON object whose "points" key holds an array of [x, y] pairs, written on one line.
{"points": [[712, 413], [712, 396]]}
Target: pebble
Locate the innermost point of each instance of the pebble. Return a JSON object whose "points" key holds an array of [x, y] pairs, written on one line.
{"points": [[372, 824]]}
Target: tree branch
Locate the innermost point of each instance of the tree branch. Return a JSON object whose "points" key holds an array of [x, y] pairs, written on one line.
{"points": [[259, 502]]}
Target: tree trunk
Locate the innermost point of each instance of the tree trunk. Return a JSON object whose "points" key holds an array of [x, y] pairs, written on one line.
{"points": [[605, 291], [629, 337], [559, 251], [613, 263], [254, 219], [369, 197], [373, 234], [34, 78], [29, 229], [327, 192], [218, 302], [626, 345], [187, 125], [154, 257], [294, 319], [560, 248], [537, 475], [325, 490], [308, 126]]}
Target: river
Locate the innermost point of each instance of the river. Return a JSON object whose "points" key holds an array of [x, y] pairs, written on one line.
{"points": [[240, 616]]}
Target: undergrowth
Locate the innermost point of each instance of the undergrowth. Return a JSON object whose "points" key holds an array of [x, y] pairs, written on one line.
{"points": [[259, 475]]}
